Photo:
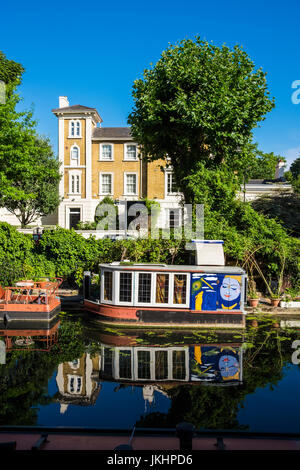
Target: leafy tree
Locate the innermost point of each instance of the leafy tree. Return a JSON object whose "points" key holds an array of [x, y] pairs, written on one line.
{"points": [[198, 105], [296, 184], [284, 206], [295, 168], [261, 164], [29, 172]]}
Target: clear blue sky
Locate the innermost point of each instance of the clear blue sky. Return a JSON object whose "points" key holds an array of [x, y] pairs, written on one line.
{"points": [[93, 51]]}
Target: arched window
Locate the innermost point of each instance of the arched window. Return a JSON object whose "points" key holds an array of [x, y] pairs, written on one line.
{"points": [[74, 155]]}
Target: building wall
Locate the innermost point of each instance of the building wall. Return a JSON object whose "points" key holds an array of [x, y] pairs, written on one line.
{"points": [[155, 180], [118, 166]]}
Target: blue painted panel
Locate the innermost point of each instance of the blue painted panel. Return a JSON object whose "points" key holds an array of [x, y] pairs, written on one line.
{"points": [[210, 292], [214, 364]]}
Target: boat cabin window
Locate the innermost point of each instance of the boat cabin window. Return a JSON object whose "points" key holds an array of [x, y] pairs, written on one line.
{"points": [[162, 289], [144, 295], [125, 364], [144, 365], [161, 365], [179, 294], [125, 292], [179, 369], [108, 285]]}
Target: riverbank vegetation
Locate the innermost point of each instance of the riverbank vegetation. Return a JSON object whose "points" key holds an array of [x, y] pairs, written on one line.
{"points": [[65, 253]]}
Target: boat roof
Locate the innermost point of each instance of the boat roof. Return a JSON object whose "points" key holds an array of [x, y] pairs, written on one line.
{"points": [[172, 267]]}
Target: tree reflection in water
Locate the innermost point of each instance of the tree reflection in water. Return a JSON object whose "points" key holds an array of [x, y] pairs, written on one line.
{"points": [[162, 360]]}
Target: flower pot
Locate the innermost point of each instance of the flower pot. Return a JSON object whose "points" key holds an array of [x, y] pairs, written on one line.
{"points": [[253, 302], [275, 302]]}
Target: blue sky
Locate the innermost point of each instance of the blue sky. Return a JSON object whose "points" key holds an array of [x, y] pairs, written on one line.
{"points": [[93, 51]]}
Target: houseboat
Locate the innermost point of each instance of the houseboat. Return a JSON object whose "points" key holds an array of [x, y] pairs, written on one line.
{"points": [[200, 295], [30, 300]]}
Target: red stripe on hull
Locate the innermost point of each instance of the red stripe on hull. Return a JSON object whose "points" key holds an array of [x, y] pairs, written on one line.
{"points": [[129, 313]]}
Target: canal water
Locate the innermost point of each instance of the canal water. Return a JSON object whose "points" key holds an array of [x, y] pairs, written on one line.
{"points": [[75, 372]]}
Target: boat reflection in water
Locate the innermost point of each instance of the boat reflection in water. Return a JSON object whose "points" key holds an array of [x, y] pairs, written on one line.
{"points": [[125, 359], [29, 334]]}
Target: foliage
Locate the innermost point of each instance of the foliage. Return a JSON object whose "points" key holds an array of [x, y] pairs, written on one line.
{"points": [[110, 216], [283, 206], [199, 104], [15, 249], [295, 168], [29, 172], [296, 184], [261, 165]]}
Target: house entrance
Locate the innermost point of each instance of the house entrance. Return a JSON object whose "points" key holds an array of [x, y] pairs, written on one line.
{"points": [[74, 217]]}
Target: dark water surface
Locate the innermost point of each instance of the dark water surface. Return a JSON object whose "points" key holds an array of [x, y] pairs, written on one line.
{"points": [[78, 373]]}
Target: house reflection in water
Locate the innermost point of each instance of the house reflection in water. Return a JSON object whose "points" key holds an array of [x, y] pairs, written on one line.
{"points": [[78, 382]]}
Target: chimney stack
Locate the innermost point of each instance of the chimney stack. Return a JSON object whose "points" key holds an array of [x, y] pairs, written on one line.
{"points": [[63, 102], [279, 172]]}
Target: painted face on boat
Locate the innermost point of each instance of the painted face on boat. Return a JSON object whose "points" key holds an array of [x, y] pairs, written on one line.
{"points": [[230, 289], [228, 366]]}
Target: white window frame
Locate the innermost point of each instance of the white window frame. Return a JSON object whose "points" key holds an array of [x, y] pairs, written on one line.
{"points": [[72, 159], [169, 173], [101, 159], [74, 173], [101, 192], [153, 290], [75, 122], [114, 287], [152, 351], [117, 362], [75, 377], [127, 173], [126, 159], [117, 287]]}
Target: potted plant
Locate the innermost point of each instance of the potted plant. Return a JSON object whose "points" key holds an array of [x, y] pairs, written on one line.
{"points": [[275, 294], [253, 298]]}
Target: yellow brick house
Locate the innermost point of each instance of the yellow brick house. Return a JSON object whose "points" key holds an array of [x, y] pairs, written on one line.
{"points": [[99, 161]]}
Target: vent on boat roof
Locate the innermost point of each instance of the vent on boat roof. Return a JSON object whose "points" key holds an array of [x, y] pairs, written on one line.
{"points": [[209, 252]]}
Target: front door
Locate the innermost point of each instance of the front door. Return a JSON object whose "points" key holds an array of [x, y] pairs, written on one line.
{"points": [[74, 217]]}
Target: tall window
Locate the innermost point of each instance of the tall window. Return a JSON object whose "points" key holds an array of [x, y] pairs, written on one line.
{"points": [[130, 152], [162, 288], [174, 218], [171, 184], [75, 129], [143, 364], [106, 152], [74, 160], [107, 285], [161, 365], [130, 183], [179, 296], [125, 364], [75, 183], [125, 287], [144, 295], [179, 368], [105, 183]]}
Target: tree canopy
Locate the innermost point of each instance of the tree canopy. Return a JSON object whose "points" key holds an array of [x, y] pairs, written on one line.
{"points": [[29, 171], [199, 104]]}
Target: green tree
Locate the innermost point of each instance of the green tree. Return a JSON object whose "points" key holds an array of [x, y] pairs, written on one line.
{"points": [[295, 168], [199, 105], [29, 172], [261, 164]]}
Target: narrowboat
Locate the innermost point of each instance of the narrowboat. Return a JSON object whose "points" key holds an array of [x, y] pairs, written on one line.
{"points": [[30, 300], [154, 295]]}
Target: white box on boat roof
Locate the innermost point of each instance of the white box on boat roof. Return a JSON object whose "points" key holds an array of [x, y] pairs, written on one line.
{"points": [[209, 252]]}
